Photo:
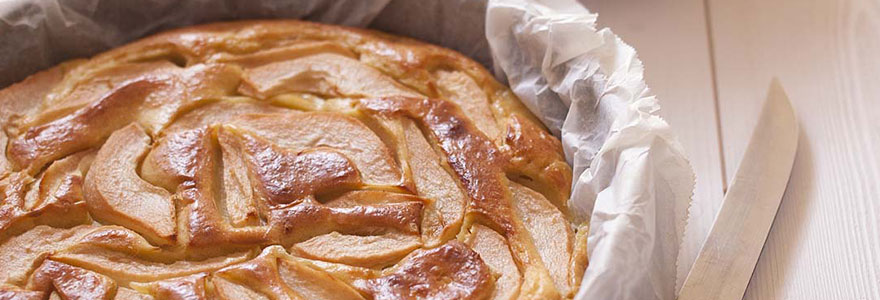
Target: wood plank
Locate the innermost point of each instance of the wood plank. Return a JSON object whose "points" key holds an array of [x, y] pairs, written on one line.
{"points": [[825, 242], [671, 39]]}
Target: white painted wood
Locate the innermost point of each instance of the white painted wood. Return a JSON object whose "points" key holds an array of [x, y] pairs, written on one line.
{"points": [[671, 39], [825, 242]]}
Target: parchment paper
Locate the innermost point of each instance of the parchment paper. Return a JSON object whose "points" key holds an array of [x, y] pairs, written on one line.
{"points": [[632, 180]]}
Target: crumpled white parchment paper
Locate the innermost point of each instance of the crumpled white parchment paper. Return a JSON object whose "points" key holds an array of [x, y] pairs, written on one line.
{"points": [[632, 180]]}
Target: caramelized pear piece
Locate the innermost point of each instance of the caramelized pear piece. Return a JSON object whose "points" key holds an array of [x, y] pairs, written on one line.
{"points": [[192, 287], [13, 190], [443, 216], [309, 282], [15, 293], [188, 168], [376, 248], [126, 256], [277, 276], [346, 273], [495, 252], [60, 201], [358, 250], [61, 185], [238, 192], [22, 99], [118, 239], [129, 294], [458, 87], [537, 161], [217, 113], [82, 129], [451, 271], [185, 89], [71, 282], [283, 176], [54, 199], [551, 233], [127, 267], [228, 290], [115, 193], [325, 74], [347, 135], [579, 259], [21, 254], [79, 91]]}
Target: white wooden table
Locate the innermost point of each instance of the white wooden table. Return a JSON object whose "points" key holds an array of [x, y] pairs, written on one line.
{"points": [[711, 61]]}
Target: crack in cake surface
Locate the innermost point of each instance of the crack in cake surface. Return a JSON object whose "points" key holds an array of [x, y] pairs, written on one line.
{"points": [[280, 159]]}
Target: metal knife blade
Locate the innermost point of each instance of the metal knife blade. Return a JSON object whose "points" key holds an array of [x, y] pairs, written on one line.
{"points": [[729, 254]]}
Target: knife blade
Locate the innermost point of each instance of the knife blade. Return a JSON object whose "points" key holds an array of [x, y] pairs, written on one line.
{"points": [[727, 259]]}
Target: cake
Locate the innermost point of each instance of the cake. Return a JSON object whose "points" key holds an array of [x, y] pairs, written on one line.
{"points": [[280, 160]]}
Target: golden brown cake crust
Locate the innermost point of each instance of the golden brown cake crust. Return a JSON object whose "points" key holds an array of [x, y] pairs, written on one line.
{"points": [[280, 160]]}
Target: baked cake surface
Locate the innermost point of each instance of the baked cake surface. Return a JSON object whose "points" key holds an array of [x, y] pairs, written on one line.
{"points": [[280, 160]]}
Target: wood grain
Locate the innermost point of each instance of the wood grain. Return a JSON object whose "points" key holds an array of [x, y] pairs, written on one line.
{"points": [[672, 41], [825, 242]]}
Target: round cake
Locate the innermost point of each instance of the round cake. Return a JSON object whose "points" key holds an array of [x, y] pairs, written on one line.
{"points": [[280, 160]]}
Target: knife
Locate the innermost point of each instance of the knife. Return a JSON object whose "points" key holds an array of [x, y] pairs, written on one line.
{"points": [[728, 256]]}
